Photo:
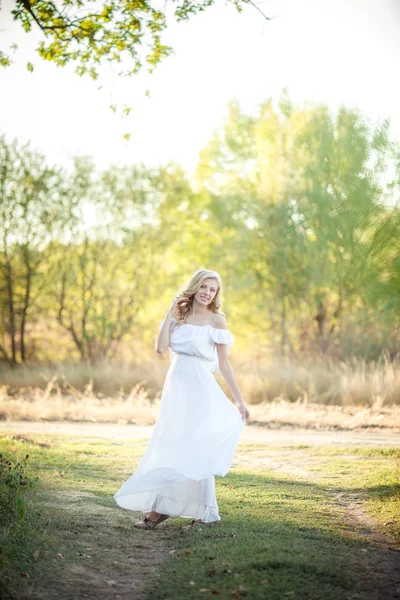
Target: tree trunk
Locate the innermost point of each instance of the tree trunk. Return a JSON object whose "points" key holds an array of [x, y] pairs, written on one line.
{"points": [[284, 333], [26, 304], [320, 317], [11, 310]]}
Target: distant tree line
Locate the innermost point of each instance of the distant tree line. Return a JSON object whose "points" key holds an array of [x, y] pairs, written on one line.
{"points": [[296, 208]]}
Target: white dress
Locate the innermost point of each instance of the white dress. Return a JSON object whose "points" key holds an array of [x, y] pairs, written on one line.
{"points": [[195, 434]]}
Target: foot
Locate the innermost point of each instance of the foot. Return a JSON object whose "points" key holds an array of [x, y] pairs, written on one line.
{"points": [[197, 522], [153, 516], [149, 523]]}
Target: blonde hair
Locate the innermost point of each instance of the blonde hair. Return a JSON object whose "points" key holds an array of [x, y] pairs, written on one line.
{"points": [[191, 287]]}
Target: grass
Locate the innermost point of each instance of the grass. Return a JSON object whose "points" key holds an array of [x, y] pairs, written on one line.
{"points": [[281, 535]]}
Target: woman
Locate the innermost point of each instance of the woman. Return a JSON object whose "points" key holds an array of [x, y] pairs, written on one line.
{"points": [[197, 428]]}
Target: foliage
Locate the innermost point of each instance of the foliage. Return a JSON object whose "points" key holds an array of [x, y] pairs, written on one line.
{"points": [[296, 208], [21, 526], [37, 203], [13, 481], [92, 33], [314, 191]]}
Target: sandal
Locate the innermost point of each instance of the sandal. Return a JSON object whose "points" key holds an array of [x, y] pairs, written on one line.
{"points": [[149, 524], [197, 522]]}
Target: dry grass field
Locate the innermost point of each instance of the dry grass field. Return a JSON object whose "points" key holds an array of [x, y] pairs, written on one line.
{"points": [[313, 394]]}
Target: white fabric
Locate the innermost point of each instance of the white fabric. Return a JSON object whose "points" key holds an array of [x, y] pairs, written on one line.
{"points": [[195, 434]]}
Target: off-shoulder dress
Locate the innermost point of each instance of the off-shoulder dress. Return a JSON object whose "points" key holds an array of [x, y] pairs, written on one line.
{"points": [[195, 435]]}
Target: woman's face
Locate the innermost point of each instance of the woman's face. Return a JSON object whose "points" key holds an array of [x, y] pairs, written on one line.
{"points": [[207, 292]]}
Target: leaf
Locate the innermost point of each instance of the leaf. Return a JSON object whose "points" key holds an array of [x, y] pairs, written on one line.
{"points": [[30, 67], [240, 592], [127, 136], [24, 574], [59, 555], [186, 552], [36, 554]]}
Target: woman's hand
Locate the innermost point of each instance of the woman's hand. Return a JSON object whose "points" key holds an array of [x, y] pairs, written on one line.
{"points": [[174, 303], [244, 411]]}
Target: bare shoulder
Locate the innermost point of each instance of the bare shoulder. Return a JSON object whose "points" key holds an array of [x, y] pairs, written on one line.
{"points": [[219, 322]]}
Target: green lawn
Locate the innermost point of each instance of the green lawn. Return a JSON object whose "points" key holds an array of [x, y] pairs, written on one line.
{"points": [[311, 526]]}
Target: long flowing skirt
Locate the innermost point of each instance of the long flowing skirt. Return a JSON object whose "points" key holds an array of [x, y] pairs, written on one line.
{"points": [[194, 438]]}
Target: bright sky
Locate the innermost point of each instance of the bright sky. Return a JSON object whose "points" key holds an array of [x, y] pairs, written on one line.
{"points": [[331, 51]]}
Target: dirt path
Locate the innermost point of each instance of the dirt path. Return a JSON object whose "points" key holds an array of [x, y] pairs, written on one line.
{"points": [[252, 434]]}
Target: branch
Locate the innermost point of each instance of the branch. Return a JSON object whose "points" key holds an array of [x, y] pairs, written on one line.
{"points": [[28, 7], [259, 10]]}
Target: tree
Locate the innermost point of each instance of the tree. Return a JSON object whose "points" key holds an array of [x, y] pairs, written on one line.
{"points": [[91, 34], [312, 190], [100, 289], [36, 204]]}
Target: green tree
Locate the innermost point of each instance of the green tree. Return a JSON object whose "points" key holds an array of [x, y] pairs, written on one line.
{"points": [[90, 34], [35, 206], [309, 189]]}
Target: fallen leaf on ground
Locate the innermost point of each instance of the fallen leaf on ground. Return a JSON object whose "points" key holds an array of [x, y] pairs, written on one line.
{"points": [[186, 552], [36, 554], [59, 555], [24, 574]]}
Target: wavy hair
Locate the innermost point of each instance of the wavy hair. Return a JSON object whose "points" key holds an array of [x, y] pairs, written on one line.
{"points": [[191, 287]]}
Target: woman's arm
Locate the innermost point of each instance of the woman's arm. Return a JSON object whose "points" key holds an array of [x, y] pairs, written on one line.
{"points": [[162, 341], [227, 372], [163, 337]]}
